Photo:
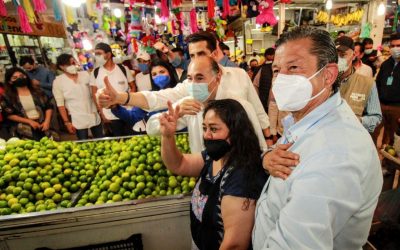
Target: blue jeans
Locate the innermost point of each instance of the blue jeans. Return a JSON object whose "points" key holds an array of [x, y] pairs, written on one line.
{"points": [[97, 132]]}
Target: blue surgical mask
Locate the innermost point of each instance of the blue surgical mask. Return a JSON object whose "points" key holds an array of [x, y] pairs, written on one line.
{"points": [[161, 81], [199, 91], [176, 62], [144, 67]]}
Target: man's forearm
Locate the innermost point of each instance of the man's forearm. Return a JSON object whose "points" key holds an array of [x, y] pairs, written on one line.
{"points": [[135, 99], [63, 113]]}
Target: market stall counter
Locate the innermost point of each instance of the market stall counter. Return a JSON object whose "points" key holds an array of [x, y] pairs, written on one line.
{"points": [[93, 194], [162, 223]]}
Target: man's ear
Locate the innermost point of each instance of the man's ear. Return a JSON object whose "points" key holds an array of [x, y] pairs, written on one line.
{"points": [[330, 74]]}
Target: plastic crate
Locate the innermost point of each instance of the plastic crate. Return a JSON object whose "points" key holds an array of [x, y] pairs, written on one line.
{"points": [[132, 243]]}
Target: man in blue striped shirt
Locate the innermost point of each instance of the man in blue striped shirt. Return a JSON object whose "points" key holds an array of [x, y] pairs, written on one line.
{"points": [[328, 199]]}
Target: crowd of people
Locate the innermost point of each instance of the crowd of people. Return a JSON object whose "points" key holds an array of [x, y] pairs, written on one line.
{"points": [[307, 114]]}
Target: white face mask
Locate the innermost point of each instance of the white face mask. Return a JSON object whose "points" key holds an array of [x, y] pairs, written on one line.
{"points": [[100, 61], [293, 92], [395, 51], [71, 69], [368, 51], [342, 64]]}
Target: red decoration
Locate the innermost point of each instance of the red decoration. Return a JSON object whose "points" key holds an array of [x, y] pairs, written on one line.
{"points": [[225, 5], [193, 21], [3, 9], [286, 1], [164, 9], [23, 19], [176, 3], [211, 6], [40, 6]]}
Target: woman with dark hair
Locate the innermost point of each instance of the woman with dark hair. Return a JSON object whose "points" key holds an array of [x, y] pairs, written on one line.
{"points": [[161, 77], [71, 91], [230, 174], [25, 105]]}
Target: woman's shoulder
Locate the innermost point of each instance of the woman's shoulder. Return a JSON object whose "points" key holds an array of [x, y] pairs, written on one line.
{"points": [[235, 182]]}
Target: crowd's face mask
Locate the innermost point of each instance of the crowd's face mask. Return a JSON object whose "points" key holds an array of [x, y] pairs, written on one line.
{"points": [[395, 52], [342, 64], [143, 67], [100, 60], [176, 61], [20, 82], [161, 81], [199, 91], [71, 69], [293, 92], [368, 51], [216, 149]]}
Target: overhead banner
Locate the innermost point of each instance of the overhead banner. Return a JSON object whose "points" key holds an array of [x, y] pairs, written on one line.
{"points": [[10, 25]]}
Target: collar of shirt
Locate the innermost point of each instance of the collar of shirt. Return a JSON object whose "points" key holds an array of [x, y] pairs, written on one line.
{"points": [[224, 61], [353, 70], [296, 130]]}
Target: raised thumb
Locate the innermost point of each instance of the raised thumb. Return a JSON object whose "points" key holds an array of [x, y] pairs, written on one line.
{"points": [[108, 85]]}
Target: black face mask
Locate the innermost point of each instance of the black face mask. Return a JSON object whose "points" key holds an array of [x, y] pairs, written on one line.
{"points": [[20, 82], [216, 149]]}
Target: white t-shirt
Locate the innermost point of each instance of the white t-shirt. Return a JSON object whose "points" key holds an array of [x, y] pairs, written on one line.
{"points": [[118, 81], [364, 70], [143, 82], [76, 97]]}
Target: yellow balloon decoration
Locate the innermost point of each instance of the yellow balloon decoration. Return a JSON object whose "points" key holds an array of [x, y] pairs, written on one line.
{"points": [[29, 10], [69, 15]]}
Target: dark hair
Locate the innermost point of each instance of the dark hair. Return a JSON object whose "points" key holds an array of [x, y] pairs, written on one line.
{"points": [[269, 52], [26, 59], [63, 59], [11, 91], [161, 56], [179, 50], [245, 148], [323, 46], [368, 41], [223, 46], [203, 36], [362, 48], [341, 32], [171, 71], [253, 60], [394, 36]]}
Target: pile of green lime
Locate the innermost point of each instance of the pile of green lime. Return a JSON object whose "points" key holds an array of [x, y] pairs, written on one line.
{"points": [[45, 175]]}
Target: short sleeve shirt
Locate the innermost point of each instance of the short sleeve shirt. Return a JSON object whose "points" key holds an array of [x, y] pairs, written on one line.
{"points": [[118, 81]]}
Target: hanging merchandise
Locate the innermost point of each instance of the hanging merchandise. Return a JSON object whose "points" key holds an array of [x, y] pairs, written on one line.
{"points": [[40, 6], [286, 1], [23, 18], [340, 19], [89, 9], [69, 15], [366, 30], [29, 10], [56, 9], [211, 7], [225, 6], [266, 13], [193, 21], [164, 10], [107, 24], [250, 8], [3, 9], [176, 3]]}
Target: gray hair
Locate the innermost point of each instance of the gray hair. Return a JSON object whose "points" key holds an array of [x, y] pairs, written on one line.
{"points": [[323, 46]]}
